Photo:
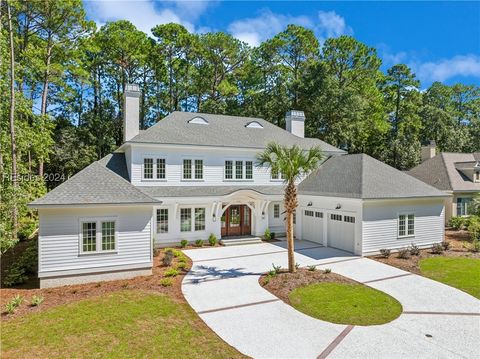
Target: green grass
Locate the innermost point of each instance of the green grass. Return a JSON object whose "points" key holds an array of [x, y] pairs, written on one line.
{"points": [[341, 303], [461, 273], [124, 324]]}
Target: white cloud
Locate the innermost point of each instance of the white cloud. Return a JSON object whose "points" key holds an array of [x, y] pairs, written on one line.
{"points": [[445, 69], [145, 14], [257, 29], [332, 25]]}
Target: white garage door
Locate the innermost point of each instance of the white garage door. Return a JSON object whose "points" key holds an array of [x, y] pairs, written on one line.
{"points": [[313, 226], [341, 232]]}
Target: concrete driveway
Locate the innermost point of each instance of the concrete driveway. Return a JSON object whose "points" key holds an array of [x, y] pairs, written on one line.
{"points": [[222, 287]]}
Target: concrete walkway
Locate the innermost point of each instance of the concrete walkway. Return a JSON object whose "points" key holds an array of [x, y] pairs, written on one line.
{"points": [[438, 321]]}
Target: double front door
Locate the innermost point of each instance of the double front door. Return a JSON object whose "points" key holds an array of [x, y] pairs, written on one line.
{"points": [[236, 221]]}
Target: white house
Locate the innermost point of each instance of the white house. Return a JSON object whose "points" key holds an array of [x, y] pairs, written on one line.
{"points": [[194, 174]]}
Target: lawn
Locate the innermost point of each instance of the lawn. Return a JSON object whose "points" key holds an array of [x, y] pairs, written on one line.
{"points": [[345, 303], [461, 273], [123, 324]]}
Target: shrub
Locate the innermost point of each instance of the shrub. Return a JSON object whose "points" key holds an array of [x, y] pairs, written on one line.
{"points": [[403, 253], [267, 235], [266, 280], [168, 257], [212, 239], [385, 253], [183, 243], [166, 282], [272, 235], [327, 270], [23, 267], [16, 275], [172, 272], [437, 248], [414, 250], [10, 308], [177, 253], [181, 265], [445, 245], [312, 268], [182, 259], [474, 228], [276, 269], [17, 300], [474, 246], [36, 301], [457, 223], [156, 252], [27, 227], [198, 243]]}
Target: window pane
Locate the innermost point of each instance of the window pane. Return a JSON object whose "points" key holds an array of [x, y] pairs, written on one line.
{"points": [[185, 219], [411, 224], [228, 169], [249, 170], [238, 169], [401, 225], [162, 220], [108, 236], [161, 168], [198, 169], [148, 168], [274, 174], [199, 219], [187, 169], [89, 236], [276, 211]]}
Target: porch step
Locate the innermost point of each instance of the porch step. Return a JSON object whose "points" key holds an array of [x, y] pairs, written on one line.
{"points": [[240, 241]]}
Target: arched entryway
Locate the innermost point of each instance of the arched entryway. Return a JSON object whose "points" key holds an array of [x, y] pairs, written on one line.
{"points": [[236, 220]]}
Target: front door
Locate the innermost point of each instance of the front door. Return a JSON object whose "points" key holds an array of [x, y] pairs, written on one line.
{"points": [[236, 221]]}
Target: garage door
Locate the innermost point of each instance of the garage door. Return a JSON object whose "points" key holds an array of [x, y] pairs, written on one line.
{"points": [[313, 226], [341, 232]]}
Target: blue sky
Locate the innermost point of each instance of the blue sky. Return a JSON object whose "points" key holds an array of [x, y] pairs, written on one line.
{"points": [[439, 40]]}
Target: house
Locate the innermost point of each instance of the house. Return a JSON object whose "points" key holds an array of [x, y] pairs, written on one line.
{"points": [[194, 174], [457, 174]]}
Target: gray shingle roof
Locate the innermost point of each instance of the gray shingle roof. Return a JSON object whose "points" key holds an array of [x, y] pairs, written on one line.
{"points": [[361, 176], [201, 191], [441, 172], [223, 131], [97, 184]]}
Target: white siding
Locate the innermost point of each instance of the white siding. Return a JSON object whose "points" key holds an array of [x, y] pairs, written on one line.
{"points": [[276, 225], [213, 170], [59, 239], [380, 223]]}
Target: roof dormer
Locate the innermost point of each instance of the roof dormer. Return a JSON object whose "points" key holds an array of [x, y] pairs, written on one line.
{"points": [[198, 120], [254, 124]]}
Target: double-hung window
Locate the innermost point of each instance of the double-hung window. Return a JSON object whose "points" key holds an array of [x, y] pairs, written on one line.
{"points": [[192, 218], [192, 169], [154, 168], [162, 220], [276, 211], [462, 206], [406, 225], [276, 175], [97, 236], [238, 170]]}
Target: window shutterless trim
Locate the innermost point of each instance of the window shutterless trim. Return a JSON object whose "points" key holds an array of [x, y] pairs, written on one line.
{"points": [[99, 234]]}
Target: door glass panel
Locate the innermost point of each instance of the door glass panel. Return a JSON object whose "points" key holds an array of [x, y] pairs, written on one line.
{"points": [[246, 216], [234, 217]]}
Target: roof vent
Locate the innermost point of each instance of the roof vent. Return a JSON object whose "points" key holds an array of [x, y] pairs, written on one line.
{"points": [[253, 124], [198, 120]]}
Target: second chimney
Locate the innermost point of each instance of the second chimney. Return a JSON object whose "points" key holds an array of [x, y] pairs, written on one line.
{"points": [[429, 151], [131, 112], [295, 123]]}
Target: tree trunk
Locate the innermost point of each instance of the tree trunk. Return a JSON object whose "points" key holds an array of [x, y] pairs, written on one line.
{"points": [[12, 123], [290, 206], [46, 80]]}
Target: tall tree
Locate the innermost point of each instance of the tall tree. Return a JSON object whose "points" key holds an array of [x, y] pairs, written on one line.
{"points": [[293, 163]]}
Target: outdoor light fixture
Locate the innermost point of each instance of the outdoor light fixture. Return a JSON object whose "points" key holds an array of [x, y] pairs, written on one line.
{"points": [[214, 217], [263, 215], [310, 204], [338, 206]]}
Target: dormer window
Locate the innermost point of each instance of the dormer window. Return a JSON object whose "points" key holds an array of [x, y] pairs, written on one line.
{"points": [[476, 177], [253, 124], [198, 120]]}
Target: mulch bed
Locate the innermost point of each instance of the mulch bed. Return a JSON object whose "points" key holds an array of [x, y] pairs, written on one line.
{"points": [[457, 249], [284, 283], [67, 294]]}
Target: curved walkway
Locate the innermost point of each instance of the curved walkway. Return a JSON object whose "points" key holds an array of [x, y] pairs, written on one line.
{"points": [[222, 287]]}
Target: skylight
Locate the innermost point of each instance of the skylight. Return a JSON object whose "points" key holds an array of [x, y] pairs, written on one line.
{"points": [[253, 124], [198, 120]]}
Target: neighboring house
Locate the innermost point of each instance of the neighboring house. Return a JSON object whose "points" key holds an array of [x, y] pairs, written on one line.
{"points": [[194, 174], [457, 174]]}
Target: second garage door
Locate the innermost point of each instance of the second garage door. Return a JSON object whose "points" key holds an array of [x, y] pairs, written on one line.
{"points": [[341, 232], [313, 226]]}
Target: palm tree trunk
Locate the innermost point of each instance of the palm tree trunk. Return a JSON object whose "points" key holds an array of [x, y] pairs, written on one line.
{"points": [[290, 205]]}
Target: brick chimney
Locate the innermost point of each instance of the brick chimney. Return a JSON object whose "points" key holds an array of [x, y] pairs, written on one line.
{"points": [[131, 112]]}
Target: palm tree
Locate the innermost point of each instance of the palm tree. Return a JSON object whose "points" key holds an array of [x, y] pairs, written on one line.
{"points": [[292, 163]]}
